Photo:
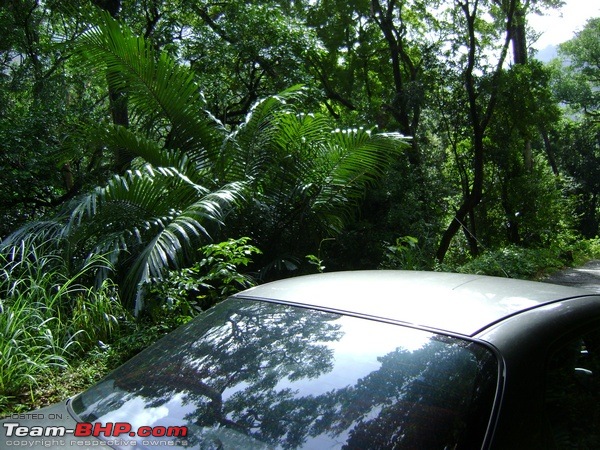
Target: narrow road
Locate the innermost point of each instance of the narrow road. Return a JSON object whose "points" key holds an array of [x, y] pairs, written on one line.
{"points": [[585, 277]]}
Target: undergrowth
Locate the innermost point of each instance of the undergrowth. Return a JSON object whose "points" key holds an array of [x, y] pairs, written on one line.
{"points": [[54, 328], [48, 318], [528, 263]]}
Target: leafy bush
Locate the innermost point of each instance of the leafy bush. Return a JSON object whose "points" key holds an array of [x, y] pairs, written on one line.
{"points": [[184, 292], [584, 249], [405, 254], [514, 262]]}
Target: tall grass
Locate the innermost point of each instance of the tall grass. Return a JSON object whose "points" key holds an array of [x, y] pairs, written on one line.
{"points": [[28, 346], [47, 316]]}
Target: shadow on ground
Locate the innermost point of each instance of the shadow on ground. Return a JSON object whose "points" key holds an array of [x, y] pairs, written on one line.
{"points": [[584, 277]]}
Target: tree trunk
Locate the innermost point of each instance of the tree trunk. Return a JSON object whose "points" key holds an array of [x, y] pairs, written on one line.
{"points": [[549, 151], [480, 118], [117, 97], [512, 225], [406, 113], [471, 234], [518, 36], [120, 116], [519, 48], [466, 207]]}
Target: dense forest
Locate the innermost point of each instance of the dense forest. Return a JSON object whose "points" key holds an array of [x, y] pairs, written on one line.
{"points": [[158, 155]]}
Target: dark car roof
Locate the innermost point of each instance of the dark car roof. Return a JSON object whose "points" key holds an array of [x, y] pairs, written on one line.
{"points": [[458, 303]]}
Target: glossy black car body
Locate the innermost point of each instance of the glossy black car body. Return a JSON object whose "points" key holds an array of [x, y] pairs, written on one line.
{"points": [[375, 359]]}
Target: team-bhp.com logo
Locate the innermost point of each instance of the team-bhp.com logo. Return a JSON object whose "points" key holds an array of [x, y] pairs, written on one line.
{"points": [[109, 431]]}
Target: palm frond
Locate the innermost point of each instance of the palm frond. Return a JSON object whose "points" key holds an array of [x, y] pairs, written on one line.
{"points": [[171, 247], [147, 220], [248, 152], [35, 233], [156, 86], [151, 152], [129, 210], [354, 160]]}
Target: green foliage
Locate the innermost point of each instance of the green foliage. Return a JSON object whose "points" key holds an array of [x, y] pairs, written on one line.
{"points": [[580, 251], [579, 156], [309, 179], [217, 275], [578, 80], [218, 271], [46, 317], [531, 209], [530, 263], [44, 98], [27, 346], [162, 94], [236, 64], [404, 254], [525, 103], [316, 262], [95, 316], [138, 335], [157, 214], [191, 171], [514, 262]]}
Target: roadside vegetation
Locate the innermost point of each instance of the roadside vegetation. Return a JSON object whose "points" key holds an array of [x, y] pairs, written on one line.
{"points": [[58, 337], [154, 163]]}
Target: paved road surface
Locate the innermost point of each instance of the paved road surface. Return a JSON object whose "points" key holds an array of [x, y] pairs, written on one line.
{"points": [[586, 276]]}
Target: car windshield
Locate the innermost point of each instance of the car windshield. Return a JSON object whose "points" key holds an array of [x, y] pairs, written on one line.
{"points": [[255, 374]]}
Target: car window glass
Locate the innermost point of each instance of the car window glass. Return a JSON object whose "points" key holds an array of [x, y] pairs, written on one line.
{"points": [[261, 375], [573, 393]]}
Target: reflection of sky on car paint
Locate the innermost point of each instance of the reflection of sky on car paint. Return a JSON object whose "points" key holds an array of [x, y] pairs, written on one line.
{"points": [[356, 353], [138, 413], [356, 356], [362, 342]]}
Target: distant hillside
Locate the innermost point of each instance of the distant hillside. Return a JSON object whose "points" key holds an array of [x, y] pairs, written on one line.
{"points": [[547, 53]]}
